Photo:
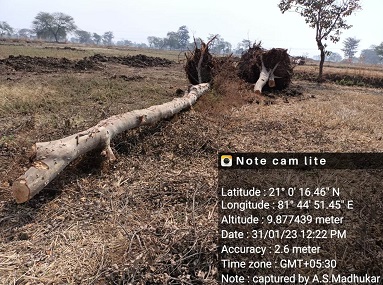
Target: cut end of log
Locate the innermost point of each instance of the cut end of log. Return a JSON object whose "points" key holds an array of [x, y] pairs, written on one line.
{"points": [[21, 191]]}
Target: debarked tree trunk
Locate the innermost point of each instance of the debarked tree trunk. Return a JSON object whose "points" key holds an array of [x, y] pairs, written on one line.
{"points": [[265, 76], [50, 158]]}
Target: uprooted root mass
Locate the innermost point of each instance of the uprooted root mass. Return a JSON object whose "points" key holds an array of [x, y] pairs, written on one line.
{"points": [[199, 70], [249, 67]]}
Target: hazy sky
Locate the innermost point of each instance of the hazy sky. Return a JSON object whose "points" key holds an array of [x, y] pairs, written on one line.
{"points": [[233, 20]]}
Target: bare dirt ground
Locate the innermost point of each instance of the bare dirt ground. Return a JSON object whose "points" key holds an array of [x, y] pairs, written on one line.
{"points": [[150, 217]]}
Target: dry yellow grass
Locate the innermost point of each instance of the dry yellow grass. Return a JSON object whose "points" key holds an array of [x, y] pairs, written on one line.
{"points": [[25, 97], [150, 217], [336, 119], [353, 70]]}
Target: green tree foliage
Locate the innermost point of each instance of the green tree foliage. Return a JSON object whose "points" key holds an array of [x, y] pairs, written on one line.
{"points": [[96, 38], [151, 41], [5, 29], [53, 26], [25, 33], [172, 41], [350, 47], [379, 50], [131, 44], [84, 37], [219, 45], [177, 40], [183, 37], [327, 17], [125, 43], [243, 46], [140, 45], [107, 38], [334, 57], [369, 56], [156, 42]]}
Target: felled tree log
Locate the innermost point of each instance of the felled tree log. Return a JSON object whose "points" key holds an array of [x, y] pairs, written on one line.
{"points": [[261, 66], [50, 158]]}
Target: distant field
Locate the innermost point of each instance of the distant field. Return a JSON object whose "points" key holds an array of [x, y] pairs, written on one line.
{"points": [[343, 74], [349, 69], [72, 51], [76, 52]]}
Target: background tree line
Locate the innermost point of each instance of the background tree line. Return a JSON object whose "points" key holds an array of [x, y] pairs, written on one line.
{"points": [[57, 26]]}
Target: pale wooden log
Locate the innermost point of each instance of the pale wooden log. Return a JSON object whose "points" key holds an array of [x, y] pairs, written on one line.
{"points": [[272, 76], [264, 76], [50, 158]]}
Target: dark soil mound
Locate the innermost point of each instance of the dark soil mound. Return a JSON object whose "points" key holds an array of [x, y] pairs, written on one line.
{"points": [[139, 60], [52, 64], [85, 64], [65, 48], [46, 64]]}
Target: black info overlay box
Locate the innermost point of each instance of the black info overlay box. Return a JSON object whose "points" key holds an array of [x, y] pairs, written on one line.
{"points": [[300, 218]]}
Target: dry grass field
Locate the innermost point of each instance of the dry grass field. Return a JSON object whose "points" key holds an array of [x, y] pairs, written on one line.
{"points": [[151, 216], [344, 73]]}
